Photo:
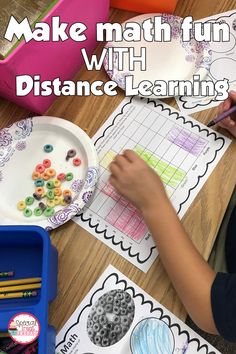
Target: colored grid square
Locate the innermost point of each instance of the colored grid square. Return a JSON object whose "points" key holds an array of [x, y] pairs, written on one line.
{"points": [[107, 159]]}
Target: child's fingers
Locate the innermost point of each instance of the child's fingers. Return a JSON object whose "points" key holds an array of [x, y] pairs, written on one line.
{"points": [[115, 169], [227, 123], [232, 96], [227, 104], [224, 106], [231, 99], [130, 155], [121, 161], [221, 108]]}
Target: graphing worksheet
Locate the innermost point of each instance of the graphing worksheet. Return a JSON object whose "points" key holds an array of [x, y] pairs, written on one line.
{"points": [[117, 316], [222, 66], [183, 153]]}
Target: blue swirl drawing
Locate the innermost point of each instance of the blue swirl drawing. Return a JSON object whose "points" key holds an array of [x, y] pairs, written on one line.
{"points": [[152, 336], [5, 138], [77, 185], [64, 215], [21, 145], [23, 129], [92, 177], [5, 155]]}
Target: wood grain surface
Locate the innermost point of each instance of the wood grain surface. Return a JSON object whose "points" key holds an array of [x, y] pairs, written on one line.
{"points": [[82, 258]]}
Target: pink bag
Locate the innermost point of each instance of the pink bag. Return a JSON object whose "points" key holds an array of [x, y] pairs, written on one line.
{"points": [[52, 59]]}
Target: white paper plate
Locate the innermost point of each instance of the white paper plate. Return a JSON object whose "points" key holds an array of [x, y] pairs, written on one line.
{"points": [[21, 149], [175, 60]]}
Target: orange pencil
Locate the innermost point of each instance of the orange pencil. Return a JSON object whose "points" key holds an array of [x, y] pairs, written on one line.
{"points": [[20, 281], [20, 287]]}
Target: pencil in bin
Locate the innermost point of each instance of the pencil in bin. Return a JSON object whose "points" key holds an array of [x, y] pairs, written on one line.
{"points": [[19, 288], [20, 281], [18, 295], [6, 274]]}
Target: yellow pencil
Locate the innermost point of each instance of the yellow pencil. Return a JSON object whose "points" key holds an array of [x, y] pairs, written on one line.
{"points": [[4, 335], [22, 294], [20, 281], [20, 287]]}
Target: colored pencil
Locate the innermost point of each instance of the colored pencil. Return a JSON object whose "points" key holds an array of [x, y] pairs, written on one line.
{"points": [[222, 116], [4, 335], [11, 289], [20, 281], [17, 295], [6, 274]]}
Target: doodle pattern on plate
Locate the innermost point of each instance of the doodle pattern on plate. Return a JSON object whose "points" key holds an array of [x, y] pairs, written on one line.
{"points": [[9, 135], [77, 185], [13, 138], [64, 215], [198, 52], [75, 208], [5, 138], [92, 177], [23, 129], [21, 145]]}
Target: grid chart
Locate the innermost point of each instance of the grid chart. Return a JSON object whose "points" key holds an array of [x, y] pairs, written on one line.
{"points": [[167, 147]]}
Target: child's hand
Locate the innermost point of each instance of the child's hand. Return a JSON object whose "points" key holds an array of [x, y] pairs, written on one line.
{"points": [[136, 181], [230, 122]]}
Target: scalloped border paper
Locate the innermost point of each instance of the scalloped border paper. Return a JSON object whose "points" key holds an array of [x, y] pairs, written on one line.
{"points": [[191, 105], [90, 222], [73, 337]]}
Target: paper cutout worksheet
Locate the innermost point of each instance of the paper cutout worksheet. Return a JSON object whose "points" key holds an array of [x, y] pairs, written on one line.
{"points": [[181, 150], [223, 66], [119, 317]]}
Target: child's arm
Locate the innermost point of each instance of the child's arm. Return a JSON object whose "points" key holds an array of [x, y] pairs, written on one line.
{"points": [[191, 275], [230, 122]]}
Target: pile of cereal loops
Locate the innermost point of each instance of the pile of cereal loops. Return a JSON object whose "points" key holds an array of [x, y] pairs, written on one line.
{"points": [[110, 318], [48, 191]]}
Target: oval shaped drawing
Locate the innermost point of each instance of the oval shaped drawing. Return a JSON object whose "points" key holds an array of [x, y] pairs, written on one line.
{"points": [[152, 336], [222, 68], [110, 318], [228, 46]]}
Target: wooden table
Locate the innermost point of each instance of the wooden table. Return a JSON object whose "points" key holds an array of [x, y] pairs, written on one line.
{"points": [[82, 258]]}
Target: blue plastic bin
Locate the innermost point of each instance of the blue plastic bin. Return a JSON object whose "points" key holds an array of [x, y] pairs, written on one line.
{"points": [[28, 251]]}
